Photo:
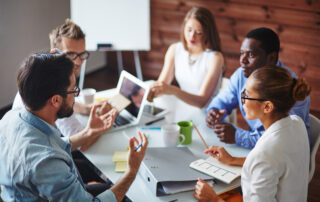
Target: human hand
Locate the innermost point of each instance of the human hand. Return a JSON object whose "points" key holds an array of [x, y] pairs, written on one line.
{"points": [[97, 125], [213, 116], [225, 132], [159, 88], [220, 154], [104, 108], [204, 193], [135, 157]]}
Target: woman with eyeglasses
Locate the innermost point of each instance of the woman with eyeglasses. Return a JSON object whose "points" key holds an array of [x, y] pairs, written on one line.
{"points": [[277, 168]]}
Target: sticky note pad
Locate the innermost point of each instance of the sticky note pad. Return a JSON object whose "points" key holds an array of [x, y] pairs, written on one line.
{"points": [[120, 156], [121, 166]]}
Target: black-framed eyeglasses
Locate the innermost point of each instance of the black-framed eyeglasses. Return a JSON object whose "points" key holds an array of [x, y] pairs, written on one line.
{"points": [[73, 55], [75, 91], [244, 97]]}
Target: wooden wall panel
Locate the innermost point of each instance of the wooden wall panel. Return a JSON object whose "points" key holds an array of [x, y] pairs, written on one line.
{"points": [[297, 22]]}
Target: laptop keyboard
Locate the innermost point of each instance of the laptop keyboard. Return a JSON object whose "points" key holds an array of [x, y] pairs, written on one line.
{"points": [[120, 121]]}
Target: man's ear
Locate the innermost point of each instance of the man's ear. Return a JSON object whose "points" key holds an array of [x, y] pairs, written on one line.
{"points": [[272, 58], [268, 107], [55, 101]]}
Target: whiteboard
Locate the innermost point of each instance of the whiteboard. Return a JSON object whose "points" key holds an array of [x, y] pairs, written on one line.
{"points": [[125, 24]]}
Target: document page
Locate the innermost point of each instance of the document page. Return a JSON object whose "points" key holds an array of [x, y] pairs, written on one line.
{"points": [[119, 102]]}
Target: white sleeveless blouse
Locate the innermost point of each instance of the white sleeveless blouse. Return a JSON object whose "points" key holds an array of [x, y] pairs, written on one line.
{"points": [[190, 76]]}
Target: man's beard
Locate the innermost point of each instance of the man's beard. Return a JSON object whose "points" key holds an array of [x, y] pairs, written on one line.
{"points": [[65, 110]]}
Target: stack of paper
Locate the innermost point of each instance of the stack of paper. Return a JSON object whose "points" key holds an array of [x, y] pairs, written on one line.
{"points": [[120, 158]]}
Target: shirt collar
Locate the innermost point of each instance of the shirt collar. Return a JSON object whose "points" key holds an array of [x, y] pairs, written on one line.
{"points": [[278, 125], [44, 127]]}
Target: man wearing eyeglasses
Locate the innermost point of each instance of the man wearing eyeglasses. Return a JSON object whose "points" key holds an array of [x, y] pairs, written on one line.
{"points": [[35, 162], [70, 39], [259, 48]]}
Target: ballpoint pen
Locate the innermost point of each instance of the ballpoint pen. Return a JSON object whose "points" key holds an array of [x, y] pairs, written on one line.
{"points": [[138, 147], [141, 144], [151, 122]]}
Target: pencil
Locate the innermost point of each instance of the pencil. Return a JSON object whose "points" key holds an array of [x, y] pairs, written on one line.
{"points": [[205, 144]]}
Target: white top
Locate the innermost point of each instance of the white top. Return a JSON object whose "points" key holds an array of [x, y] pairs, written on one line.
{"points": [[190, 76], [277, 169], [67, 126]]}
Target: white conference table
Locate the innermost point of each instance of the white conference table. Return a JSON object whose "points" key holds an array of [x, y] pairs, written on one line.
{"points": [[100, 153]]}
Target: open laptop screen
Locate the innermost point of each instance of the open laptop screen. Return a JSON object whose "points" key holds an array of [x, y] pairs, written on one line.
{"points": [[134, 93]]}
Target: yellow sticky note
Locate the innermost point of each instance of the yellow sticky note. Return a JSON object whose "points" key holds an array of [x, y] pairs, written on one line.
{"points": [[120, 156], [100, 99], [121, 166]]}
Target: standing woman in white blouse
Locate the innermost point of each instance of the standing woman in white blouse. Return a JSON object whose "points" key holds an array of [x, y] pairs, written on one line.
{"points": [[277, 168], [196, 62]]}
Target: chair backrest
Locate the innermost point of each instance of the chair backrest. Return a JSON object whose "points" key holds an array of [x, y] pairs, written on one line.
{"points": [[314, 143], [232, 118]]}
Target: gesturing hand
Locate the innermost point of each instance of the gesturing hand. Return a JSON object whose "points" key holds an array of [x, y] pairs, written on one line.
{"points": [[214, 116], [135, 157], [225, 132], [97, 125]]}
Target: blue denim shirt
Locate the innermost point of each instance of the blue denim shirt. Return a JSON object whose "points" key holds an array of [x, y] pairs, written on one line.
{"points": [[36, 164], [230, 98]]}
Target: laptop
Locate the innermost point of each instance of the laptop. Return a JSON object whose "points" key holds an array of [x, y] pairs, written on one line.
{"points": [[136, 91]]}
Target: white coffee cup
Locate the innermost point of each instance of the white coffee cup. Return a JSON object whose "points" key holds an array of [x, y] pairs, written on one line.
{"points": [[88, 95], [171, 135]]}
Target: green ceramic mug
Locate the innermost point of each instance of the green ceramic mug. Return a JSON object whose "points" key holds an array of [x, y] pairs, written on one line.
{"points": [[186, 128]]}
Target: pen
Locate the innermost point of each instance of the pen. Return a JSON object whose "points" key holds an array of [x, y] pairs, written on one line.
{"points": [[138, 146], [151, 122], [150, 128], [141, 144]]}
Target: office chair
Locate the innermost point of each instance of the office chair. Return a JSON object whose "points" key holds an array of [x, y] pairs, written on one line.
{"points": [[232, 118], [314, 143]]}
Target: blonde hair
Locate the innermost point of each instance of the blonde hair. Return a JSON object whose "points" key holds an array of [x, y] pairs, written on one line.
{"points": [[69, 29], [211, 37], [276, 84]]}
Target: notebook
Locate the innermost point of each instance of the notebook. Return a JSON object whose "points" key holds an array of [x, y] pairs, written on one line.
{"points": [[135, 91], [214, 168]]}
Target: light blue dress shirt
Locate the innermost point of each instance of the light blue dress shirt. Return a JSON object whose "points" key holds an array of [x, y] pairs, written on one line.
{"points": [[36, 164], [230, 98]]}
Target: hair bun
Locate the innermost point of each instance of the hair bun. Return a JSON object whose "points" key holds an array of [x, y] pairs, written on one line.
{"points": [[300, 89]]}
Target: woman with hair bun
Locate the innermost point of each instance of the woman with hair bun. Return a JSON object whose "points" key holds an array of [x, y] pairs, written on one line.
{"points": [[277, 168]]}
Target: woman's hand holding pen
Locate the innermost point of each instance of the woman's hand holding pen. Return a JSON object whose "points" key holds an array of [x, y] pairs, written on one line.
{"points": [[224, 157], [136, 155], [159, 88], [220, 154]]}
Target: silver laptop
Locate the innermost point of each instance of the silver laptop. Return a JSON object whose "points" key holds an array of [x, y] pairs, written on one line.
{"points": [[136, 91]]}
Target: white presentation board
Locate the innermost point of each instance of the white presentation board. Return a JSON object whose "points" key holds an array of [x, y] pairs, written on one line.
{"points": [[123, 24]]}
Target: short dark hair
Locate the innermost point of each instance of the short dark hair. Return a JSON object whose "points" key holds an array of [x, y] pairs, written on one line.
{"points": [[269, 39], [43, 75]]}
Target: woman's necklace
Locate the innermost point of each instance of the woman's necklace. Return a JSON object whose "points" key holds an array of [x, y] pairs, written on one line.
{"points": [[190, 60]]}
